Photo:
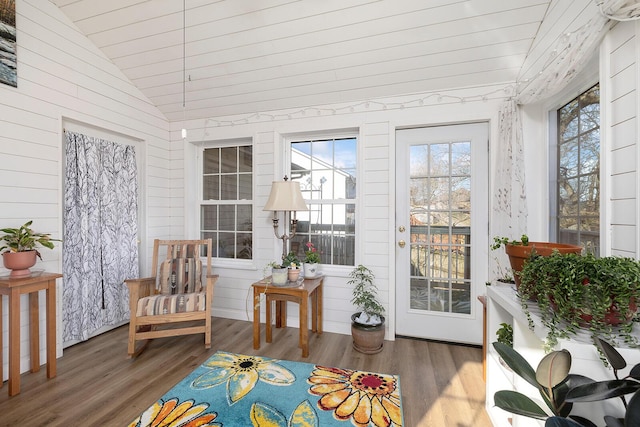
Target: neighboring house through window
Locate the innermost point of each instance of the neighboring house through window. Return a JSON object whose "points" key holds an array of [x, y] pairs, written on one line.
{"points": [[326, 168], [226, 200], [577, 219]]}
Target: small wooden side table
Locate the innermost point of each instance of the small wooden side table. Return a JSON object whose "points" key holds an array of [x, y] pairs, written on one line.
{"points": [[13, 288], [309, 288]]}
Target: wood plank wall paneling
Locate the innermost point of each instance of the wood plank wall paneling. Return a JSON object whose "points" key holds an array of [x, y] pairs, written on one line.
{"points": [[557, 21], [620, 101], [375, 216], [62, 75], [65, 75]]}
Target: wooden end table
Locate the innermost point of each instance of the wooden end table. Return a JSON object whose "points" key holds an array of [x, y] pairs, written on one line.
{"points": [[308, 289], [13, 288]]}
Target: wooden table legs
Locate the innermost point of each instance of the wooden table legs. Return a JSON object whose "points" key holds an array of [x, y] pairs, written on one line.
{"points": [[281, 319], [310, 289], [13, 288], [51, 330], [14, 342], [256, 318]]}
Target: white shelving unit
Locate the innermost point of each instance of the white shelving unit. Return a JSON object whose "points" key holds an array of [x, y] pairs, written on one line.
{"points": [[503, 306]]}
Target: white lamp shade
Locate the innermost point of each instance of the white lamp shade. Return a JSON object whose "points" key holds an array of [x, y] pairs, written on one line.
{"points": [[285, 196]]}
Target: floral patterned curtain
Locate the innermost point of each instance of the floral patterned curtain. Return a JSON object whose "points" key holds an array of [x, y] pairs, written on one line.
{"points": [[100, 234]]}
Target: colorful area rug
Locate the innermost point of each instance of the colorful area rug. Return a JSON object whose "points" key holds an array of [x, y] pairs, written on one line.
{"points": [[233, 390]]}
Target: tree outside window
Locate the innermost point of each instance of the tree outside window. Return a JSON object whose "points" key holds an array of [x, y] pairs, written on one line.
{"points": [[578, 190]]}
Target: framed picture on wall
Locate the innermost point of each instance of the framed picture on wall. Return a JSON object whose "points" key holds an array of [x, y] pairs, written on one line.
{"points": [[8, 57]]}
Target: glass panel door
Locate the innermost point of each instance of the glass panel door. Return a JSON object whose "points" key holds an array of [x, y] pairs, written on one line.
{"points": [[444, 169]]}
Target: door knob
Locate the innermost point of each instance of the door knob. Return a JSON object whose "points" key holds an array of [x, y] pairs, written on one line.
{"points": [[401, 243]]}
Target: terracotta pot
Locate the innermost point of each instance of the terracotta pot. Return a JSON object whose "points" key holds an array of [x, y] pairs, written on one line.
{"points": [[518, 254], [367, 339], [611, 317], [294, 273], [19, 262]]}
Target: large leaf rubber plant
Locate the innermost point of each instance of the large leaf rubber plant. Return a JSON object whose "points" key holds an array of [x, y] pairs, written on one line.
{"points": [[602, 390], [551, 378]]}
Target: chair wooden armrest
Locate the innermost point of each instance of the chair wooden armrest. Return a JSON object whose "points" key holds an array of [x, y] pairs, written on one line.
{"points": [[140, 288], [174, 263]]}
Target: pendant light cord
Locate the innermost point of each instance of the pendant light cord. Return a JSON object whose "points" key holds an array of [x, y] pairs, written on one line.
{"points": [[184, 52]]}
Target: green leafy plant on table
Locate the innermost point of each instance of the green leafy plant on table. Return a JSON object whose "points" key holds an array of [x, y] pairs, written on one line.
{"points": [[311, 255], [291, 261], [24, 239]]}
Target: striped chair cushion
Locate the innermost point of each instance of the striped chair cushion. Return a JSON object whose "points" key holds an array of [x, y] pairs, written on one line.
{"points": [[179, 276], [168, 304]]}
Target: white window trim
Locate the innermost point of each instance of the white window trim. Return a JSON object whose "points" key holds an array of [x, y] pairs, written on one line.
{"points": [[230, 263], [287, 139]]}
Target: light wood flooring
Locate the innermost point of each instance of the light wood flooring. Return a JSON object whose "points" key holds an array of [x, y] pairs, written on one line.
{"points": [[97, 385]]}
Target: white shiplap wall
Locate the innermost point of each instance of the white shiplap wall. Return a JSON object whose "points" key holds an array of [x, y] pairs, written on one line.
{"points": [[620, 53], [63, 78], [376, 212]]}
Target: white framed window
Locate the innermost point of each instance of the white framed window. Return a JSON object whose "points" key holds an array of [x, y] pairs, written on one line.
{"points": [[577, 172], [326, 166], [226, 198]]}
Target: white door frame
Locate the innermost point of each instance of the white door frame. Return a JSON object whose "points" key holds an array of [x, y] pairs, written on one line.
{"points": [[480, 202]]}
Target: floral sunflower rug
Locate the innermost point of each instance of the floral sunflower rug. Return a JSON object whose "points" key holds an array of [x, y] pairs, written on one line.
{"points": [[234, 390]]}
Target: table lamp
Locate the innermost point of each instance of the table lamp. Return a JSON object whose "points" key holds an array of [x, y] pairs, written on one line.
{"points": [[286, 197]]}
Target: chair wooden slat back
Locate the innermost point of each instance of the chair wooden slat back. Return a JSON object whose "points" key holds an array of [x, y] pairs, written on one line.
{"points": [[187, 301], [180, 249]]}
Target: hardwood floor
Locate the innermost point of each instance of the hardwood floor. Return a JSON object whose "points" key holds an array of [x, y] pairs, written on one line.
{"points": [[97, 385]]}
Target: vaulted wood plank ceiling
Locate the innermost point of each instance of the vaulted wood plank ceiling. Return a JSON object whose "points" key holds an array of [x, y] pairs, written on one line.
{"points": [[246, 56]]}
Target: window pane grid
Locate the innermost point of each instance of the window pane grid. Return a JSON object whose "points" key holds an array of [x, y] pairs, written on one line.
{"points": [[440, 188], [226, 206], [578, 191], [326, 171]]}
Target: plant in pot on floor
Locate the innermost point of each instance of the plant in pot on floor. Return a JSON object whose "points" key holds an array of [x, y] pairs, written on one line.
{"points": [[367, 325], [582, 293], [21, 248]]}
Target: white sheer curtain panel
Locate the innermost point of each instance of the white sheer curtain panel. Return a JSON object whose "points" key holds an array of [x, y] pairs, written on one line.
{"points": [[509, 214]]}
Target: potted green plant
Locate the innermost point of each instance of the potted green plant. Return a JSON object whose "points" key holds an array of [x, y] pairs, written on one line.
{"points": [[292, 264], [560, 389], [581, 292], [367, 325], [21, 248], [504, 334], [311, 261], [519, 251], [278, 273]]}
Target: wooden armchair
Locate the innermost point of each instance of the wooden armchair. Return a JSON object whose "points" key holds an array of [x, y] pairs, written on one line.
{"points": [[179, 291]]}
